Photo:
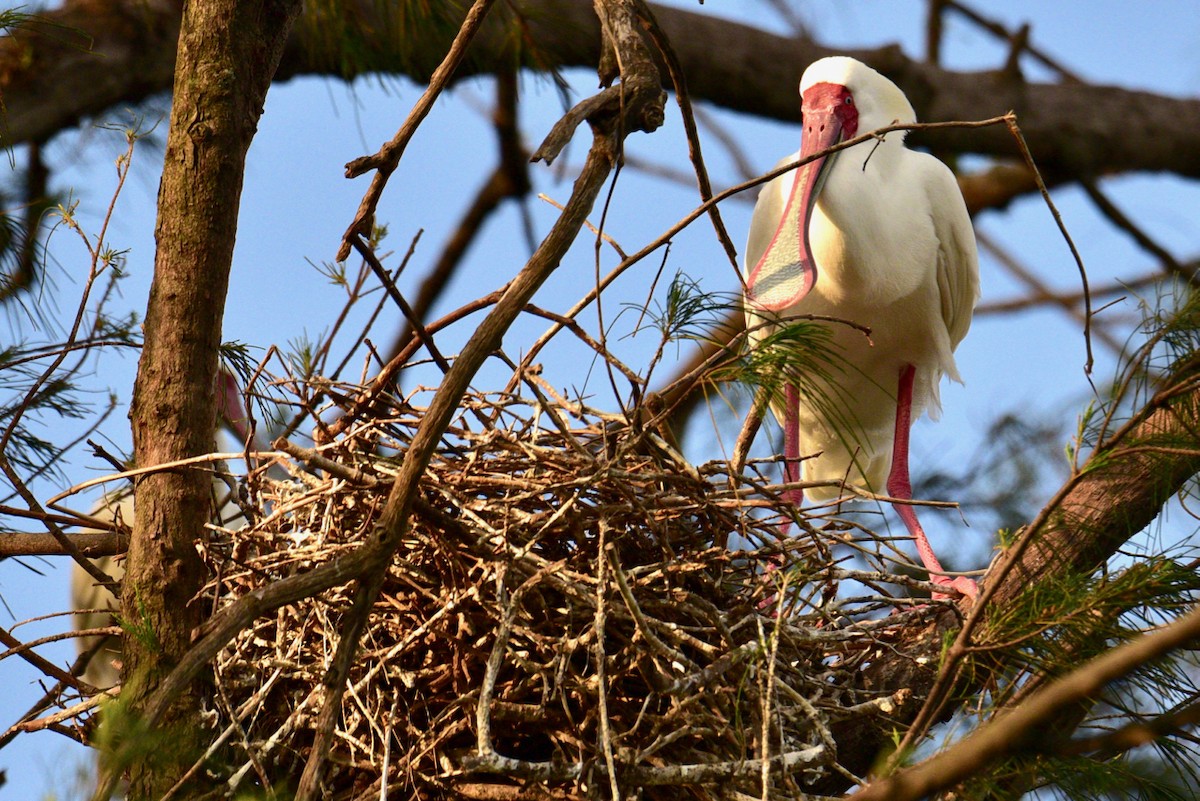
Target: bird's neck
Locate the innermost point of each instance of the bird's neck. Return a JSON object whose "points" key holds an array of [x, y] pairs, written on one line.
{"points": [[851, 221]]}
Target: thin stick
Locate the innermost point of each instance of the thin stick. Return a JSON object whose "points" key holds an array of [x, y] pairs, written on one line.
{"points": [[388, 158], [1010, 120]]}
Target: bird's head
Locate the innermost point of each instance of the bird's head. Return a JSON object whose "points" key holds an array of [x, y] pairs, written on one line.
{"points": [[840, 98]]}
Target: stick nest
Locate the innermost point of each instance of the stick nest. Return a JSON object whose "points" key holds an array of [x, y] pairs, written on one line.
{"points": [[564, 619]]}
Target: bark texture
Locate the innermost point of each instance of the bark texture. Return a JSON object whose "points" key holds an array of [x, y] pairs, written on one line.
{"points": [[228, 53]]}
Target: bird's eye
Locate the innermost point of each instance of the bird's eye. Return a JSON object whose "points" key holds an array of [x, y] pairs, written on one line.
{"points": [[849, 100]]}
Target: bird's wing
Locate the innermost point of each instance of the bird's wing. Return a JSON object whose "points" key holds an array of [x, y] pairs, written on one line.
{"points": [[957, 263]]}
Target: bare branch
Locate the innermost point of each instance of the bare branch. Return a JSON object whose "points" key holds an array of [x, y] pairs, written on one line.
{"points": [[388, 158]]}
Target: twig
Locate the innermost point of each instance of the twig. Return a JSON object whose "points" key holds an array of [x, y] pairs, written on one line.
{"points": [[600, 655], [675, 70], [385, 280], [388, 158], [47, 667], [1133, 735], [1010, 120], [483, 707], [69, 713], [509, 179], [704, 773], [313, 458], [745, 437]]}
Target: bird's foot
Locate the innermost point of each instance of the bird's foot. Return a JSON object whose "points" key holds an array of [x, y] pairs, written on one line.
{"points": [[966, 586]]}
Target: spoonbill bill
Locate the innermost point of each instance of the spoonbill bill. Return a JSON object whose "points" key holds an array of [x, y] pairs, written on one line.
{"points": [[878, 235]]}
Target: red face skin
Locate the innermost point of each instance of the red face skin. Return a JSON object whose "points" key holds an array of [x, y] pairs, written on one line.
{"points": [[830, 117]]}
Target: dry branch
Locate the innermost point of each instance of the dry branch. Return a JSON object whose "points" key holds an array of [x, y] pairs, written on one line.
{"points": [[388, 158]]}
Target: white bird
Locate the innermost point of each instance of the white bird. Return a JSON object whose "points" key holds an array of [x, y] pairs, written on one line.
{"points": [[878, 235], [93, 603]]}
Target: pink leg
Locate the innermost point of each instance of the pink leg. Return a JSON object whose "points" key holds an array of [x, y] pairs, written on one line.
{"points": [[791, 445], [791, 473], [899, 487]]}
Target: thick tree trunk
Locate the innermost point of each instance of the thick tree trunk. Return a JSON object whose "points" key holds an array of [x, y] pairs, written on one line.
{"points": [[228, 53]]}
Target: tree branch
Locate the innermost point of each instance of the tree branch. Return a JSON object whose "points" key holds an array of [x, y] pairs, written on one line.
{"points": [[91, 544], [51, 78], [1019, 730]]}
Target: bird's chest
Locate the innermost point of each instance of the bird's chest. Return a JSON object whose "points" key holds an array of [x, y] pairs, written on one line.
{"points": [[875, 282], [870, 245], [862, 277]]}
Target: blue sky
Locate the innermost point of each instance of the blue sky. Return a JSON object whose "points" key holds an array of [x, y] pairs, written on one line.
{"points": [[296, 205]]}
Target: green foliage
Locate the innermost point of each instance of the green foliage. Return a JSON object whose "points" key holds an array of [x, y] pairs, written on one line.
{"points": [[237, 357], [29, 405], [302, 356], [1170, 345], [1079, 778], [335, 272], [1053, 628], [141, 628], [767, 358], [1056, 626], [408, 36], [124, 739], [688, 313], [40, 373], [411, 37], [334, 32], [801, 354], [24, 203], [11, 18]]}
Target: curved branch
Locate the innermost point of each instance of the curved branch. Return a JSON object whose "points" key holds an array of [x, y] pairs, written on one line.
{"points": [[53, 74]]}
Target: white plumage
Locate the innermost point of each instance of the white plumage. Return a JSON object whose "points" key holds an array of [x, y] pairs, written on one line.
{"points": [[90, 599], [888, 245]]}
